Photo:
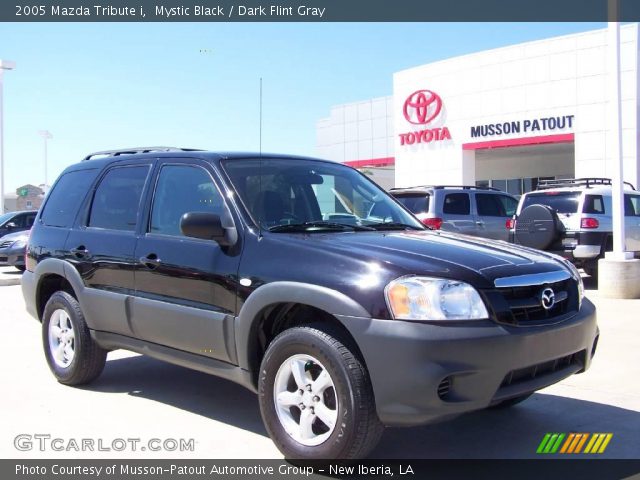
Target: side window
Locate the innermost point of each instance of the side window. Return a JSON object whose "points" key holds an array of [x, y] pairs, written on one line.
{"points": [[509, 204], [489, 205], [593, 204], [181, 189], [29, 219], [64, 200], [632, 205], [456, 204], [18, 221], [117, 198]]}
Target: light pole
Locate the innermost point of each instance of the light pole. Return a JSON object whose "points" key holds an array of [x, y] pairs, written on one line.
{"points": [[46, 135], [4, 65]]}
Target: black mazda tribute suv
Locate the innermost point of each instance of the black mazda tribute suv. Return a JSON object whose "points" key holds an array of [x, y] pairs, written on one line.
{"points": [[303, 281]]}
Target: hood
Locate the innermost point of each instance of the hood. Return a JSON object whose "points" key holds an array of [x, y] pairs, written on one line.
{"points": [[23, 234], [471, 259]]}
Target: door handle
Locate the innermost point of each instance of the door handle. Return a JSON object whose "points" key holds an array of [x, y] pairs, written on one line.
{"points": [[150, 261], [80, 252], [479, 223]]}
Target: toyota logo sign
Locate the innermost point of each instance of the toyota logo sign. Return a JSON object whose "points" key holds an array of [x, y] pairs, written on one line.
{"points": [[547, 299], [422, 106]]}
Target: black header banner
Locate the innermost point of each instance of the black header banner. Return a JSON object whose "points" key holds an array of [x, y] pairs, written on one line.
{"points": [[315, 10]]}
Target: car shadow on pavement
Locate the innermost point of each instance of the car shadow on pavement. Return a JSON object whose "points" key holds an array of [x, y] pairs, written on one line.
{"points": [[509, 433], [183, 388]]}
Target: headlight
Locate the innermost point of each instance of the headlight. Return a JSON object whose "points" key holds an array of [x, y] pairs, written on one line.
{"points": [[19, 244], [425, 298], [578, 278]]}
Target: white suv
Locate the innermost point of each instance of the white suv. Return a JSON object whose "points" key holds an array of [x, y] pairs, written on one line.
{"points": [[572, 218]]}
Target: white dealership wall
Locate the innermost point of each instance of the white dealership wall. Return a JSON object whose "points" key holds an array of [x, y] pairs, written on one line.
{"points": [[556, 77]]}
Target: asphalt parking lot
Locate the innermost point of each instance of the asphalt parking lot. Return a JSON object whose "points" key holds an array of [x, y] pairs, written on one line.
{"points": [[141, 398]]}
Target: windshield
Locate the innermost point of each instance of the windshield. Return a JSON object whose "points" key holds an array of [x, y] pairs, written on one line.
{"points": [[561, 202], [5, 217], [313, 195]]}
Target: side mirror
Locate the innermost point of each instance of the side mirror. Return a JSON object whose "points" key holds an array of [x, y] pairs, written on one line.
{"points": [[11, 225], [209, 226]]}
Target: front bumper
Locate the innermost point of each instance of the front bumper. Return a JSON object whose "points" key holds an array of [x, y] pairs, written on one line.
{"points": [[483, 362]]}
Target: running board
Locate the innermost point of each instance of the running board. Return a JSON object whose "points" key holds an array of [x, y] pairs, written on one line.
{"points": [[112, 341]]}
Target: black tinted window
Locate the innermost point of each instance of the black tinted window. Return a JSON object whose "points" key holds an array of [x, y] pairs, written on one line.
{"points": [[509, 204], [632, 205], [456, 204], [181, 189], [593, 204], [563, 202], [117, 198], [416, 203], [489, 205], [64, 200]]}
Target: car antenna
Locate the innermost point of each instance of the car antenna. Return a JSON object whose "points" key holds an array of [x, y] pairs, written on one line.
{"points": [[260, 160]]}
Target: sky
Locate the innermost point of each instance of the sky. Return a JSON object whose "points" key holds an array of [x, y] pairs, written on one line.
{"points": [[100, 86]]}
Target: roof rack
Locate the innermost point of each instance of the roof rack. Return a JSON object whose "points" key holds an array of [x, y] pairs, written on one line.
{"points": [[132, 151], [577, 182], [441, 187]]}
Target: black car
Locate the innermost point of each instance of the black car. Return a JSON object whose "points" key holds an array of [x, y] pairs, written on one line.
{"points": [[16, 221], [268, 270]]}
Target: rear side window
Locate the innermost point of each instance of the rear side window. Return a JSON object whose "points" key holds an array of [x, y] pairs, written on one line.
{"points": [[594, 205], [561, 202], [457, 204], [416, 203], [64, 200], [490, 205], [117, 198]]}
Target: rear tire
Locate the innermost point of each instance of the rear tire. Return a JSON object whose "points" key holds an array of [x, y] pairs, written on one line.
{"points": [[316, 398], [73, 357]]}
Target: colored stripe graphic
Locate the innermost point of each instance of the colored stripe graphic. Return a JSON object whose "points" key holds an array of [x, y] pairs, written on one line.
{"points": [[573, 443], [544, 441], [598, 443]]}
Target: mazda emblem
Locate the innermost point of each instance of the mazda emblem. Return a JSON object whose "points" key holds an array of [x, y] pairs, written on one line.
{"points": [[547, 298]]}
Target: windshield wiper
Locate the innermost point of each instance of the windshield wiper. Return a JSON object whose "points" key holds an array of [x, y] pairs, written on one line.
{"points": [[318, 225], [393, 226]]}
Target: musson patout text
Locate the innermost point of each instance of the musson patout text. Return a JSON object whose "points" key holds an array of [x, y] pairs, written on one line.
{"points": [[210, 470], [171, 12]]}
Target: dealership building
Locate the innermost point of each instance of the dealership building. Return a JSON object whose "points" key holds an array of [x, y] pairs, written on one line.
{"points": [[503, 118]]}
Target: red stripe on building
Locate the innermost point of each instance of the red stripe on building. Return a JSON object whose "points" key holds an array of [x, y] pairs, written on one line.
{"points": [[514, 142], [372, 162]]}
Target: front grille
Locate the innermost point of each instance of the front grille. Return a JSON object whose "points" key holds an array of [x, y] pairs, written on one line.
{"points": [[6, 243], [536, 371], [522, 305]]}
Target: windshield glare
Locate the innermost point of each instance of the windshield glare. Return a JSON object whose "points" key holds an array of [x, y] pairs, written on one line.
{"points": [[293, 191]]}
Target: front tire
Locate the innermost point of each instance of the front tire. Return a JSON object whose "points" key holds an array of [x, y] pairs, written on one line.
{"points": [[73, 357], [316, 398]]}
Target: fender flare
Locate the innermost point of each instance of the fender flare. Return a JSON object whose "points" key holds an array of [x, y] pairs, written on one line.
{"points": [[62, 268], [322, 298]]}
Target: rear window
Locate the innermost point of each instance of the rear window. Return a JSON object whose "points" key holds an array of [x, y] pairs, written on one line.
{"points": [[563, 202], [416, 203], [64, 200]]}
